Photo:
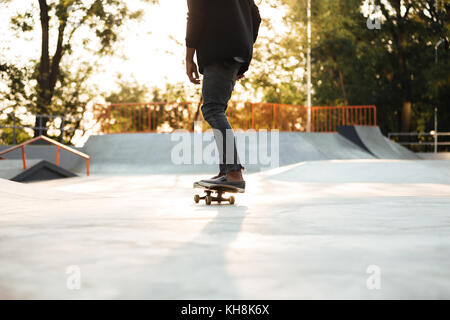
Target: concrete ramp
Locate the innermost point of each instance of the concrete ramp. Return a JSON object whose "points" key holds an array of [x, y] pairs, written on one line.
{"points": [[336, 147], [152, 153], [365, 171], [44, 152], [11, 168], [42, 171], [142, 153], [370, 139], [37, 197], [17, 193], [142, 237], [37, 170]]}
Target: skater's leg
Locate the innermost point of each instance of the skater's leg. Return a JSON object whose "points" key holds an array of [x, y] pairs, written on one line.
{"points": [[218, 84]]}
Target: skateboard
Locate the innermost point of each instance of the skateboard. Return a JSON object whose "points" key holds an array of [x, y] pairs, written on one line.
{"points": [[214, 193]]}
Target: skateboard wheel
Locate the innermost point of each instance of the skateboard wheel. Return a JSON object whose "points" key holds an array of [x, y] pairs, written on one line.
{"points": [[231, 200], [197, 198], [208, 200]]}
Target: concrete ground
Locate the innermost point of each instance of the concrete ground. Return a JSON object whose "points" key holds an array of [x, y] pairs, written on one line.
{"points": [[309, 230]]}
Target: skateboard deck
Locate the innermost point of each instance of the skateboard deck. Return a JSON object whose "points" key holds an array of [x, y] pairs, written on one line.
{"points": [[218, 190]]}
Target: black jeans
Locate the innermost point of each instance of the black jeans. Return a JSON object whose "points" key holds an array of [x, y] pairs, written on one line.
{"points": [[218, 84]]}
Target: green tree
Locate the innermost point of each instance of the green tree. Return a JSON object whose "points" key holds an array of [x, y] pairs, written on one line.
{"points": [[168, 106], [276, 71], [66, 19], [129, 91], [392, 67], [15, 97]]}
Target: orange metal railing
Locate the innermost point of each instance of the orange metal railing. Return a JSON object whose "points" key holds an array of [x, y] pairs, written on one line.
{"points": [[166, 117], [58, 145], [146, 117], [327, 119]]}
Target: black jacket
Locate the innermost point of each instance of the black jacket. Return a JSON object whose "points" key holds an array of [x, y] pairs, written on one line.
{"points": [[220, 30]]}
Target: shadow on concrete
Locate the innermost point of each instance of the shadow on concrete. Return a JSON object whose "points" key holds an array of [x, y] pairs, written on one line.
{"points": [[199, 268]]}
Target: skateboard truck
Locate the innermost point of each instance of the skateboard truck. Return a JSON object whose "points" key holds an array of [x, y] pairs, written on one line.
{"points": [[209, 198], [214, 193]]}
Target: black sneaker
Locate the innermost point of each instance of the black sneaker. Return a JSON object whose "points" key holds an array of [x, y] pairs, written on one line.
{"points": [[222, 182], [219, 176], [219, 179]]}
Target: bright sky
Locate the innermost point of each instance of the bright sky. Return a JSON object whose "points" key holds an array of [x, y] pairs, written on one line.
{"points": [[152, 56], [154, 47]]}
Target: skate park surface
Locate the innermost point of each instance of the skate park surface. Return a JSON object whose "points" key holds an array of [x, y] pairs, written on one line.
{"points": [[309, 229]]}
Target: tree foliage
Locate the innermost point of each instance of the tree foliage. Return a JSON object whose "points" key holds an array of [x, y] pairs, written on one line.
{"points": [[275, 75], [66, 26], [171, 107], [392, 67]]}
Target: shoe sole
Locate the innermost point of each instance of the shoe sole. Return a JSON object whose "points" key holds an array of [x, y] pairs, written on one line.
{"points": [[218, 186]]}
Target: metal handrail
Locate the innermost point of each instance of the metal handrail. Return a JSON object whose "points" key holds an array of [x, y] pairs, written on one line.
{"points": [[58, 145], [435, 135], [443, 134], [324, 118]]}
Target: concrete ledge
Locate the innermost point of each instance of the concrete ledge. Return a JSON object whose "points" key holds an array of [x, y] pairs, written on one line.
{"points": [[434, 156], [151, 153]]}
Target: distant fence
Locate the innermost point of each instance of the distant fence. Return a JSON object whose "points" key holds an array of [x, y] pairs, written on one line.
{"points": [[55, 123], [327, 119], [166, 117], [146, 117], [422, 141]]}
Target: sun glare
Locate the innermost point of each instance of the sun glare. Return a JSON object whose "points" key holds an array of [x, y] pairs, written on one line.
{"points": [[152, 51]]}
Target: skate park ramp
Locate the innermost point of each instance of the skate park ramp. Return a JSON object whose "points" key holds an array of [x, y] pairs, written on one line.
{"points": [[37, 170], [143, 237], [11, 168], [35, 197], [370, 139], [43, 170], [365, 171], [151, 153], [335, 147], [38, 152]]}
